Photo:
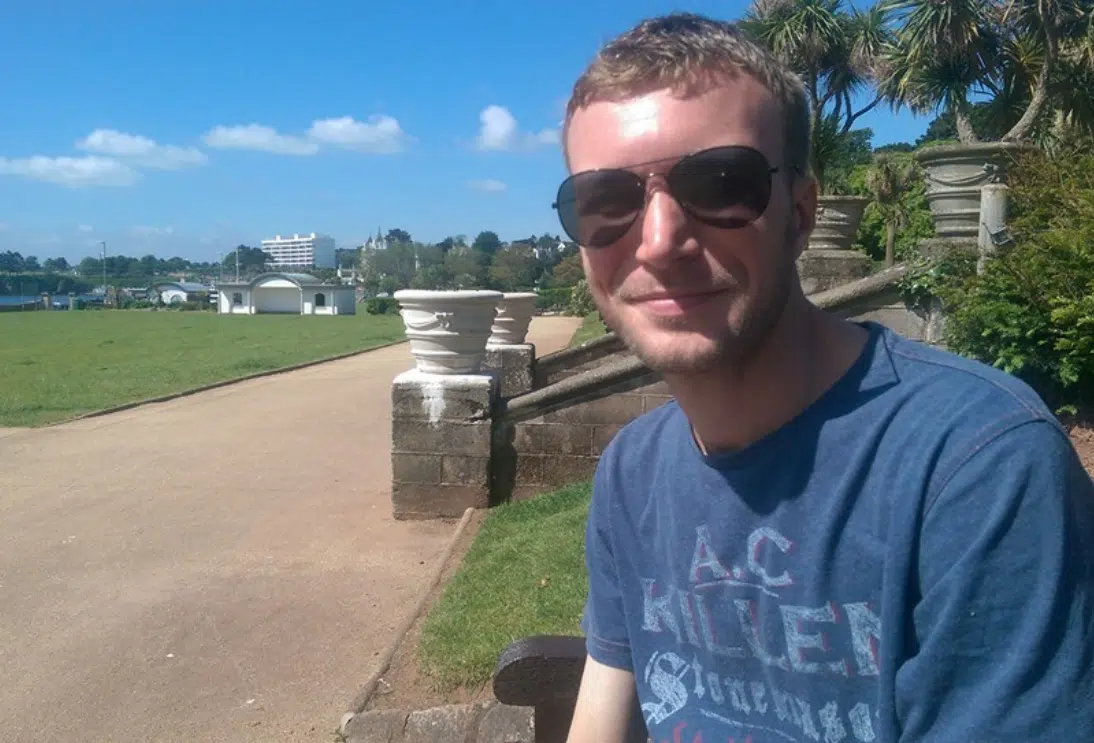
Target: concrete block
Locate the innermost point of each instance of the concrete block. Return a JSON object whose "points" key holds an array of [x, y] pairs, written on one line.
{"points": [[416, 467], [377, 726], [450, 437], [602, 436], [438, 397], [415, 500], [553, 438], [503, 723], [513, 366], [620, 408], [562, 470], [465, 470], [451, 724]]}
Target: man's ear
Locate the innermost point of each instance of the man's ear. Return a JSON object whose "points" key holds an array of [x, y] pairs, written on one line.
{"points": [[804, 195]]}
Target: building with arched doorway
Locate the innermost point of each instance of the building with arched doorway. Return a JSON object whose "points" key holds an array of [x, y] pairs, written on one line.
{"points": [[285, 294]]}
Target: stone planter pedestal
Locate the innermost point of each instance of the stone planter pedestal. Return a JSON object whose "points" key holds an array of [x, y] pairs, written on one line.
{"points": [[954, 175], [828, 260], [513, 317], [448, 330]]}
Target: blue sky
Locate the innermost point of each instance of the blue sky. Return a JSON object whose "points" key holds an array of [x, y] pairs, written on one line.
{"points": [[184, 127]]}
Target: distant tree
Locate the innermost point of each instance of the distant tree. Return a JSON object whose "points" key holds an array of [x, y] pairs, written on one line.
{"points": [[397, 237], [148, 265], [55, 265], [487, 242], [346, 257], [895, 147], [251, 260], [88, 266], [568, 272], [467, 267], [888, 179], [514, 267], [11, 261], [30, 263]]}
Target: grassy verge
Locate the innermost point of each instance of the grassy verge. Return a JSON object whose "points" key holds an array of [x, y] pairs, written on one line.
{"points": [[591, 327], [523, 575], [57, 365]]}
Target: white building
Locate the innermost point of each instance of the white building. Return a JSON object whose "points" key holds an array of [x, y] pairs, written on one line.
{"points": [[311, 251], [287, 294], [176, 292]]}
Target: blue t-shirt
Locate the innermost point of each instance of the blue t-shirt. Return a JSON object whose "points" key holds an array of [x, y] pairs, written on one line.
{"points": [[910, 559]]}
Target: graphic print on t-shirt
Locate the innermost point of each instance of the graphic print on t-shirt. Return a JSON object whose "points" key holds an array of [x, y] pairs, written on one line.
{"points": [[732, 648]]}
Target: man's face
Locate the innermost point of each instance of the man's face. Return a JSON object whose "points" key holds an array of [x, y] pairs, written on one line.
{"points": [[686, 295]]}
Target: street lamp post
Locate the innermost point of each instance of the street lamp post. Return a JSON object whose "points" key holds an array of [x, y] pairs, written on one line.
{"points": [[103, 244]]}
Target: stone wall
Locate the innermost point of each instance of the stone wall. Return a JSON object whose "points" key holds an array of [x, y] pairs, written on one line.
{"points": [[571, 361], [549, 446], [485, 722], [440, 444]]}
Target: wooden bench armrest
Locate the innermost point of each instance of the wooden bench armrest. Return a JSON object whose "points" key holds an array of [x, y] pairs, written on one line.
{"points": [[544, 672], [544, 669]]}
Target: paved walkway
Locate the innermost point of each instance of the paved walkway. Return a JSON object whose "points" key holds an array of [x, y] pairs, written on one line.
{"points": [[222, 567]]}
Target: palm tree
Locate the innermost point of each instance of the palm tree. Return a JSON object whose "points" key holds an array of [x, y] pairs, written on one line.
{"points": [[1016, 53], [835, 50], [888, 180]]}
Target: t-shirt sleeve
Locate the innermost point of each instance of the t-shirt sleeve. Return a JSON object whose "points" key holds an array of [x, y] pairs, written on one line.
{"points": [[1005, 622], [605, 627]]}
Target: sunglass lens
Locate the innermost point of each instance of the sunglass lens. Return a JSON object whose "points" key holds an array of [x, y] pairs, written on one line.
{"points": [[726, 187], [597, 207]]}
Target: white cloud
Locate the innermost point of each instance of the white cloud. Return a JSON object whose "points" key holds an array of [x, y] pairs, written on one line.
{"points": [[498, 130], [74, 172], [146, 230], [380, 135], [487, 185], [258, 137], [85, 228], [141, 151]]}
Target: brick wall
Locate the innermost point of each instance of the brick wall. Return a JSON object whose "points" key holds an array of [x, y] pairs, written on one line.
{"points": [[557, 447], [440, 453]]}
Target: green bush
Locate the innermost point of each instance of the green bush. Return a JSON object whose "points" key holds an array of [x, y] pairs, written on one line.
{"points": [[1031, 311], [381, 306], [553, 300], [581, 301]]}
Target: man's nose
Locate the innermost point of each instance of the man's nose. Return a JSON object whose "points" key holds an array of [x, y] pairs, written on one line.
{"points": [[664, 230]]}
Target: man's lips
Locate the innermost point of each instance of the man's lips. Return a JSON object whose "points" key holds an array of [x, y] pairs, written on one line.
{"points": [[675, 303]]}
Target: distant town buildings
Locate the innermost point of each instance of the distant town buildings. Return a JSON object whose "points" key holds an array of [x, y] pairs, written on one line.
{"points": [[298, 251]]}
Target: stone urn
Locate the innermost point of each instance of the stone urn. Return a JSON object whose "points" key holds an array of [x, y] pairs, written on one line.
{"points": [[954, 175], [838, 220], [514, 316], [448, 330]]}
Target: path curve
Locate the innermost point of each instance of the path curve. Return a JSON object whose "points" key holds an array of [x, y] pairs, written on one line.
{"points": [[220, 567]]}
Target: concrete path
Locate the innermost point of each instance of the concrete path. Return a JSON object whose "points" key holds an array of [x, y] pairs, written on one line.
{"points": [[222, 567]]}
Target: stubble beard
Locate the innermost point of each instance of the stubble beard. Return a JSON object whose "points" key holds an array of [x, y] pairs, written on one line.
{"points": [[733, 348]]}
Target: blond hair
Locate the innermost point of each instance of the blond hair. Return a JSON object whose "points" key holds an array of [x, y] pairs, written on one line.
{"points": [[691, 53]]}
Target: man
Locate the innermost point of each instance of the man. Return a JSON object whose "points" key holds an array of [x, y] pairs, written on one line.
{"points": [[833, 533]]}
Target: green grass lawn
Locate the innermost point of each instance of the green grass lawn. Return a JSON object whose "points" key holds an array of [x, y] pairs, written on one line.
{"points": [[523, 575], [590, 328], [56, 365]]}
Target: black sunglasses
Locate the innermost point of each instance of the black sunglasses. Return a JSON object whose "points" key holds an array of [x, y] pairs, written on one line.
{"points": [[727, 187]]}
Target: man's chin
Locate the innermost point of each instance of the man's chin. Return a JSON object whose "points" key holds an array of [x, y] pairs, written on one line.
{"points": [[677, 352]]}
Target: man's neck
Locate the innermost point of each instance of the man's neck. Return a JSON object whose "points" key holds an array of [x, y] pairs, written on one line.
{"points": [[734, 406]]}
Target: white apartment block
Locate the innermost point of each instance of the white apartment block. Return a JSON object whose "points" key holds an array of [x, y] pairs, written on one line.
{"points": [[312, 251]]}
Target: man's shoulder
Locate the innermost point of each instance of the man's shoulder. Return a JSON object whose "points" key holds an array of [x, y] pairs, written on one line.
{"points": [[950, 407], [945, 387]]}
